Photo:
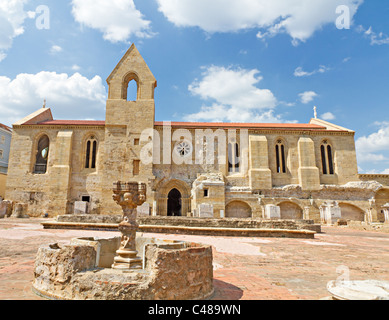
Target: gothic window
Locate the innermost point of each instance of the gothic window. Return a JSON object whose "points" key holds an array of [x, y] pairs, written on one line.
{"points": [[2, 139], [233, 158], [42, 154], [327, 158], [91, 153], [280, 157], [1, 154]]}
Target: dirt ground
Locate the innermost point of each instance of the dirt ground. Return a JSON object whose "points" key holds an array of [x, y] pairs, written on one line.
{"points": [[244, 268]]}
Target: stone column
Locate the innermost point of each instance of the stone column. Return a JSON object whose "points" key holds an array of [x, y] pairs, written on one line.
{"points": [[129, 196], [306, 213], [386, 213]]}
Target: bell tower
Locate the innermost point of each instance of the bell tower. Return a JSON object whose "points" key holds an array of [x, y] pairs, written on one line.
{"points": [[120, 110], [126, 118]]}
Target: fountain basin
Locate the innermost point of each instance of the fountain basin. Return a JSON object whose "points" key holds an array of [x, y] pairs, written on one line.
{"points": [[172, 270]]}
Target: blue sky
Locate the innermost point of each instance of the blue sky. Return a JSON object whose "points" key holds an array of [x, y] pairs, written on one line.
{"points": [[224, 60]]}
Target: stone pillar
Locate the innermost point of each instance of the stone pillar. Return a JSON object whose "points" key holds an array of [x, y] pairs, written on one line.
{"points": [[330, 212], [260, 173], [386, 213], [60, 173], [306, 213], [154, 212], [309, 175], [129, 196]]}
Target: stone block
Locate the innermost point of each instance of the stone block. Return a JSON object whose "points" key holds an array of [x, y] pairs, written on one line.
{"points": [[80, 207], [272, 212], [20, 211], [205, 210], [144, 209]]}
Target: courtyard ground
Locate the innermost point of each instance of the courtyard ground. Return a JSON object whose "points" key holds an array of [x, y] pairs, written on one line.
{"points": [[244, 268]]}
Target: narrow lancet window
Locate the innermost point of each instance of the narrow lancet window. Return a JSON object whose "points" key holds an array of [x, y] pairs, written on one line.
{"points": [[91, 153], [280, 157], [327, 158]]}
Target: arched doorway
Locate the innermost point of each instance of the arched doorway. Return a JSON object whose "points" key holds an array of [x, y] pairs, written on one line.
{"points": [[174, 203], [238, 209]]}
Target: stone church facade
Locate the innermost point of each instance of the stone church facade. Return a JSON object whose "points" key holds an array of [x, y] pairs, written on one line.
{"points": [[220, 170]]}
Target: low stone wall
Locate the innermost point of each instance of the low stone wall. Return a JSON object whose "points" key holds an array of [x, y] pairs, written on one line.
{"points": [[229, 223], [356, 225], [172, 271]]}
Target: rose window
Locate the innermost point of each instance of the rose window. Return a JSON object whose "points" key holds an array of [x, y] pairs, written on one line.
{"points": [[183, 148]]}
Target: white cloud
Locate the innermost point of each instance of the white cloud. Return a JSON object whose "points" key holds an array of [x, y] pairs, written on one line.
{"points": [[377, 141], [118, 20], [307, 96], [328, 116], [70, 97], [299, 72], [12, 16], [374, 148], [55, 49], [234, 96], [298, 18], [234, 87], [75, 67], [375, 38]]}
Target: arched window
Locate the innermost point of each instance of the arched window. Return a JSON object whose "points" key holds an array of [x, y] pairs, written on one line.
{"points": [[327, 158], [280, 157], [233, 158], [130, 91], [91, 153], [42, 155]]}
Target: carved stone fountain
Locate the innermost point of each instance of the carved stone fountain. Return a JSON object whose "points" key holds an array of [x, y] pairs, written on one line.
{"points": [[110, 269], [129, 196]]}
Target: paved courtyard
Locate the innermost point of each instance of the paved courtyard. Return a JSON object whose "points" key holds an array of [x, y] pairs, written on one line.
{"points": [[244, 268]]}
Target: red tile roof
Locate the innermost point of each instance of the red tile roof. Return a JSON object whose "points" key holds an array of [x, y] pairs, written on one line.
{"points": [[5, 127], [191, 125], [289, 126], [73, 123]]}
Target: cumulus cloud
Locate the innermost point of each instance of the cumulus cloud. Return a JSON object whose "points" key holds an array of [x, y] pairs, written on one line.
{"points": [[118, 20], [298, 18], [374, 148], [12, 16], [307, 96], [233, 95], [70, 97]]}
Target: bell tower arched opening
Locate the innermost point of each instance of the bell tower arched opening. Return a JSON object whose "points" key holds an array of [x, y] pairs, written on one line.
{"points": [[131, 87]]}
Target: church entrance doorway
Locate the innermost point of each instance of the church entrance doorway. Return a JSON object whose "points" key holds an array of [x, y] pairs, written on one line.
{"points": [[174, 204]]}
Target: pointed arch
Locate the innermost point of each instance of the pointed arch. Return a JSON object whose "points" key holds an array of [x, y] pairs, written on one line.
{"points": [[91, 150], [280, 151], [42, 148], [327, 158]]}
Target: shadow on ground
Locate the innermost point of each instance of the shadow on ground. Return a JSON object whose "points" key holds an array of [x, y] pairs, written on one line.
{"points": [[226, 291]]}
